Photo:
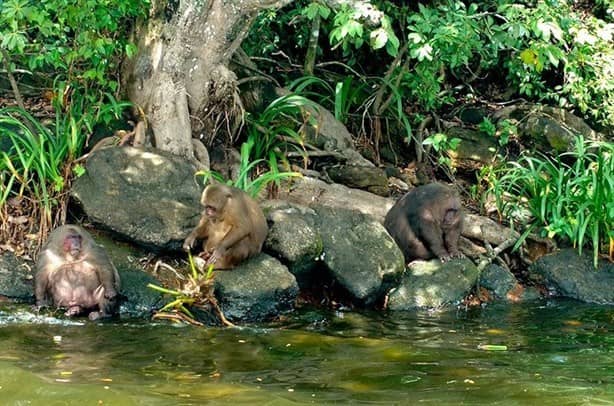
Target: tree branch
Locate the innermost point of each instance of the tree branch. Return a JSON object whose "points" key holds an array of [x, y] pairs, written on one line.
{"points": [[7, 65]]}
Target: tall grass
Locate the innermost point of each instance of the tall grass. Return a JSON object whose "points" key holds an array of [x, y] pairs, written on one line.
{"points": [[37, 162], [570, 197]]}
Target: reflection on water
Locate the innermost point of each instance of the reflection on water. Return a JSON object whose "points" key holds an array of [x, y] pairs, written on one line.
{"points": [[558, 353]]}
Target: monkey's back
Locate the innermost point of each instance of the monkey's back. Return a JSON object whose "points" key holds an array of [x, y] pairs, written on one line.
{"points": [[417, 215]]}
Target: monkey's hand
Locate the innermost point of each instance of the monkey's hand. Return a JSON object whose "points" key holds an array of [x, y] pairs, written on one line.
{"points": [[110, 294], [187, 244], [450, 257], [216, 255]]}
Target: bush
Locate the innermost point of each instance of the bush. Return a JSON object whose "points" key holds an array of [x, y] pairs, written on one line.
{"points": [[570, 197]]}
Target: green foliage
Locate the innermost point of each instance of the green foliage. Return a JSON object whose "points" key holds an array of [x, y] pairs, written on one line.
{"points": [[551, 51], [196, 292], [570, 197], [503, 131], [488, 127], [271, 133], [39, 161], [552, 41], [80, 41], [352, 27], [449, 37], [441, 143], [246, 179]]}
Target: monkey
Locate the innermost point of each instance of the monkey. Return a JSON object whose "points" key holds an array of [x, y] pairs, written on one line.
{"points": [[232, 226], [427, 223], [75, 273]]}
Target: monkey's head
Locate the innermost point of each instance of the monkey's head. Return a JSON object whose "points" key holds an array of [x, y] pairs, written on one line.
{"points": [[214, 199], [72, 244]]}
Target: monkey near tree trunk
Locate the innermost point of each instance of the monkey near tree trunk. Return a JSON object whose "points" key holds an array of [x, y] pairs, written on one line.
{"points": [[75, 273], [232, 227], [427, 222]]}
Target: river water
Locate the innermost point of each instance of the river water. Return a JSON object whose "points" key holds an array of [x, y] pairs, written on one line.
{"points": [[544, 353]]}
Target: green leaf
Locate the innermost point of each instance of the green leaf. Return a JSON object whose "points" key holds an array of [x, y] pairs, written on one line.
{"points": [[379, 38]]}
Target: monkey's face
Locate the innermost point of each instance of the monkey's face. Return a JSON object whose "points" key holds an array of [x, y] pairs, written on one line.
{"points": [[72, 245], [211, 212], [215, 198]]}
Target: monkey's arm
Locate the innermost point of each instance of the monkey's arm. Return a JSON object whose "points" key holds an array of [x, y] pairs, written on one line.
{"points": [[104, 268], [40, 289], [200, 231], [452, 234], [234, 235], [432, 235]]}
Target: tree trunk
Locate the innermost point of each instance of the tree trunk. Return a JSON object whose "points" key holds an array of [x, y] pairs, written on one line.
{"points": [[180, 76]]}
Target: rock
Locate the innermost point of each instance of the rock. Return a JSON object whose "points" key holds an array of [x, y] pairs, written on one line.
{"points": [[499, 281], [369, 178], [330, 134], [16, 278], [145, 195], [474, 151], [137, 299], [551, 127], [359, 253], [309, 191], [258, 289], [503, 285], [354, 248], [433, 284], [293, 238], [565, 273]]}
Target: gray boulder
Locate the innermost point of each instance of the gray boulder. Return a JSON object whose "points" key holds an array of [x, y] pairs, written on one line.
{"points": [[354, 248], [359, 253], [16, 278], [369, 178], [138, 300], [293, 237], [551, 127], [567, 274], [313, 192], [433, 284], [147, 196], [258, 289]]}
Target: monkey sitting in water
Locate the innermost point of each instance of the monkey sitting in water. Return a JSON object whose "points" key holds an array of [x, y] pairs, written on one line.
{"points": [[427, 222], [75, 273], [232, 226]]}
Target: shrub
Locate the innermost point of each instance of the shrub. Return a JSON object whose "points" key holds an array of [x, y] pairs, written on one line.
{"points": [[570, 197]]}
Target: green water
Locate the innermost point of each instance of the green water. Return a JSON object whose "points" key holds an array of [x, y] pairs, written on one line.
{"points": [[558, 353]]}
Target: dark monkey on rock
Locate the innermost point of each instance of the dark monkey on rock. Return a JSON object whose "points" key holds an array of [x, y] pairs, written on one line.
{"points": [[232, 227], [427, 222], [75, 273]]}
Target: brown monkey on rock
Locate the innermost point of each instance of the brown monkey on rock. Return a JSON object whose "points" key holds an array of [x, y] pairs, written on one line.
{"points": [[427, 222], [75, 273], [232, 226]]}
